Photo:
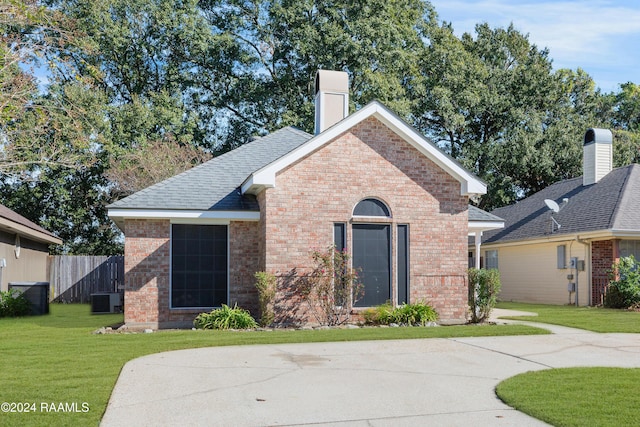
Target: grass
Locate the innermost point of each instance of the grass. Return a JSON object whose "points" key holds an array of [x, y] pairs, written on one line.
{"points": [[596, 319], [576, 396], [56, 358]]}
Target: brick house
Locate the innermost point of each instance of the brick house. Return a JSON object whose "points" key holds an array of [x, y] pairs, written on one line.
{"points": [[367, 182], [558, 245]]}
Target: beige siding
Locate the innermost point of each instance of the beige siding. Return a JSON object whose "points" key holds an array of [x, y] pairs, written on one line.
{"points": [[31, 266], [529, 273]]}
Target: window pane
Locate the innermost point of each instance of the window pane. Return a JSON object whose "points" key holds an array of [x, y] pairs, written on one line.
{"points": [[340, 236], [491, 259], [403, 264], [371, 259], [198, 265], [371, 207]]}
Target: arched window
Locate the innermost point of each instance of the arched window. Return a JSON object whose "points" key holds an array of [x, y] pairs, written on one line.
{"points": [[371, 207]]}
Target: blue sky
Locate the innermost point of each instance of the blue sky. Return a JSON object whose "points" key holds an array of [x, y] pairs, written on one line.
{"points": [[600, 36]]}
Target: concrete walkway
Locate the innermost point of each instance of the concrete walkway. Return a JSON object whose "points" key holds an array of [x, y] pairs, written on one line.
{"points": [[447, 382]]}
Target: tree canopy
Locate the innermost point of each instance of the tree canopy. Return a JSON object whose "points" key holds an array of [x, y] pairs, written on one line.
{"points": [[99, 99]]}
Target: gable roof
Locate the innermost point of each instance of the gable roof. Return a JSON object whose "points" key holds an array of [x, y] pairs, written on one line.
{"points": [[13, 222], [265, 177], [225, 187], [612, 206]]}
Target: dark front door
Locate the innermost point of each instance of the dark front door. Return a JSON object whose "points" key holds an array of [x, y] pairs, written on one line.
{"points": [[372, 260]]}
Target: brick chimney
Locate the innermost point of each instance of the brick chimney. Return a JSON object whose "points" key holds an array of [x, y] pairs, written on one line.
{"points": [[597, 155], [332, 98]]}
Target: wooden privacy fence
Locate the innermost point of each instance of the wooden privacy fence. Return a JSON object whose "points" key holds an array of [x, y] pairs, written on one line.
{"points": [[73, 278]]}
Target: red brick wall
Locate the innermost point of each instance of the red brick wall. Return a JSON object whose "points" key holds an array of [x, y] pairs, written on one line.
{"points": [[603, 254], [147, 270], [244, 261], [371, 161]]}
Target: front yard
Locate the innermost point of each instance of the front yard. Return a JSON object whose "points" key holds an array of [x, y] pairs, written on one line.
{"points": [[594, 396], [603, 320], [56, 372]]}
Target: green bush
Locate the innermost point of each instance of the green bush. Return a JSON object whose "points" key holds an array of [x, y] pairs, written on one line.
{"points": [[624, 288], [266, 285], [407, 314], [484, 286], [378, 315], [414, 314], [225, 318], [14, 304]]}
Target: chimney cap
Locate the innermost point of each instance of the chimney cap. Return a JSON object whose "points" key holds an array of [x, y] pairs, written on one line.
{"points": [[601, 136], [332, 81]]}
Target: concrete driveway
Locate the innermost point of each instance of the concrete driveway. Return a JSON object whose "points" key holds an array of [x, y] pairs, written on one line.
{"points": [[447, 382]]}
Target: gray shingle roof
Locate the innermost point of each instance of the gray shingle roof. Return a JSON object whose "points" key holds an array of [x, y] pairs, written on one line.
{"points": [[214, 185], [611, 203], [477, 214]]}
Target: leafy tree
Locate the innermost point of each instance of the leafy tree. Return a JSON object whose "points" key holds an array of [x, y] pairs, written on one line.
{"points": [[626, 124], [495, 104], [259, 71]]}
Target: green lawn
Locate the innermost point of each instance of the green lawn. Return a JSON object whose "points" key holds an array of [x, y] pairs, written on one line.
{"points": [[56, 359], [594, 319], [576, 396]]}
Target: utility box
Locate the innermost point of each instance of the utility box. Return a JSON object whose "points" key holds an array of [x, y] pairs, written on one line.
{"points": [[106, 302], [36, 292], [571, 287]]}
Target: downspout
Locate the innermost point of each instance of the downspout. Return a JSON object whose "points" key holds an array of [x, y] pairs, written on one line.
{"points": [[587, 244], [477, 240]]}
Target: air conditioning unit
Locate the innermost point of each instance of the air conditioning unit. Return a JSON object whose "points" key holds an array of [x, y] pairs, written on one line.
{"points": [[108, 302]]}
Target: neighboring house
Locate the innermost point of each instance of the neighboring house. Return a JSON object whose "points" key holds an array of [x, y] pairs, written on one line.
{"points": [[597, 221], [367, 182], [24, 249]]}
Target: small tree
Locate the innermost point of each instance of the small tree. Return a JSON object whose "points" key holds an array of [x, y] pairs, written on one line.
{"points": [[484, 286], [331, 288], [624, 287]]}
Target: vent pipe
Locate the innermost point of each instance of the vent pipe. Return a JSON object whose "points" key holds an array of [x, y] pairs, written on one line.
{"points": [[332, 98], [597, 155]]}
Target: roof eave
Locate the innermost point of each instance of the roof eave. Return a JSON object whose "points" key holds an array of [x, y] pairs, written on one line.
{"points": [[29, 232], [585, 235], [481, 226], [118, 216]]}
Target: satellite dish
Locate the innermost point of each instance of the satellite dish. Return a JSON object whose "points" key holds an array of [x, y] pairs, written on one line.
{"points": [[552, 205]]}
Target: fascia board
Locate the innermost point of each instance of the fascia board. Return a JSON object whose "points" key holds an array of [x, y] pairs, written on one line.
{"points": [[119, 214], [590, 235], [266, 176], [29, 232], [475, 226]]}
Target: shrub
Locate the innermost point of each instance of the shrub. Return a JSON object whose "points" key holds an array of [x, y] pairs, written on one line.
{"points": [[414, 314], [484, 286], [624, 287], [331, 288], [407, 314], [225, 318], [14, 304], [378, 315], [266, 285]]}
